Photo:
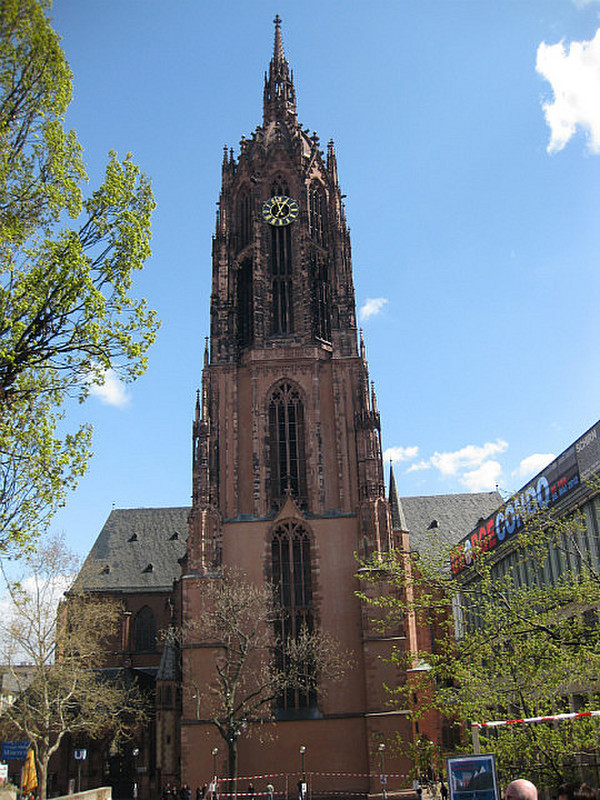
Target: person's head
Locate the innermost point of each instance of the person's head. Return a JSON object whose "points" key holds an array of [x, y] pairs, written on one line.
{"points": [[521, 790]]}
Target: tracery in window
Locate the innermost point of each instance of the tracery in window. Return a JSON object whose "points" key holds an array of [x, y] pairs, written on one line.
{"points": [[245, 303], [321, 294], [144, 631], [279, 187], [292, 579], [286, 443], [281, 272], [244, 219], [317, 211]]}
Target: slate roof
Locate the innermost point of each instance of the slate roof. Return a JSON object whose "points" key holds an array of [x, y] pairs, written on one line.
{"points": [[138, 549], [450, 516]]}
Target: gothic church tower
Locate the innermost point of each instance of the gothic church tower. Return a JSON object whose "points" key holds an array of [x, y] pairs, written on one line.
{"points": [[287, 469]]}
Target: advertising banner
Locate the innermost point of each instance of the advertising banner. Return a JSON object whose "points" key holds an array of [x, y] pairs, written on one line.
{"points": [[472, 777], [558, 480]]}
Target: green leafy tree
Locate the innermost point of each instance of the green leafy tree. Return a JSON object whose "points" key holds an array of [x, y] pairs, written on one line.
{"points": [[67, 263], [61, 691], [503, 648]]}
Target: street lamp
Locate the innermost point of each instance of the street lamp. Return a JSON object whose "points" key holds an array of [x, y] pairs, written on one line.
{"points": [[135, 753], [302, 792], [215, 751], [382, 777]]}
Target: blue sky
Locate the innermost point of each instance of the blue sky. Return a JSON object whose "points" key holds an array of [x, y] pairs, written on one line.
{"points": [[468, 141]]}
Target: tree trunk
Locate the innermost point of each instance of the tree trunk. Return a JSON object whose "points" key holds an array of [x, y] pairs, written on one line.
{"points": [[43, 778], [232, 761]]}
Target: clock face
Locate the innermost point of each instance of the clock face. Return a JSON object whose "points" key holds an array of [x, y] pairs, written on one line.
{"points": [[280, 210]]}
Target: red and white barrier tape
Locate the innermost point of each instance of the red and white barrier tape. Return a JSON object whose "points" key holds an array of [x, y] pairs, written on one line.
{"points": [[551, 718]]}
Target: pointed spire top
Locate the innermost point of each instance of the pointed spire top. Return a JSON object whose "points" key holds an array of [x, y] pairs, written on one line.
{"points": [[398, 518], [279, 98], [278, 55]]}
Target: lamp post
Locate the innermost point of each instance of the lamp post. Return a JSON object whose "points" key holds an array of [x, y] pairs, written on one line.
{"points": [[383, 776], [215, 752], [303, 780], [135, 753]]}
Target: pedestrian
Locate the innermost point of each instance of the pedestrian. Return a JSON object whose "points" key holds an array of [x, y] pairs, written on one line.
{"points": [[185, 793], [270, 791], [251, 790], [443, 789], [585, 792], [521, 789]]}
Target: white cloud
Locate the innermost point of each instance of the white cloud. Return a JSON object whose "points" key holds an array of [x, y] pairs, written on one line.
{"points": [[400, 453], [112, 392], [483, 479], [575, 79], [419, 466], [372, 307], [470, 456], [533, 464]]}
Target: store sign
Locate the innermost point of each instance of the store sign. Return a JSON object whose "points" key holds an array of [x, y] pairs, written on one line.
{"points": [[549, 487], [14, 751]]}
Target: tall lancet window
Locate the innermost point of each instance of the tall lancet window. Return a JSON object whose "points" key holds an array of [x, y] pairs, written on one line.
{"points": [[321, 294], [244, 219], [317, 211], [292, 579], [245, 303], [281, 270], [286, 444]]}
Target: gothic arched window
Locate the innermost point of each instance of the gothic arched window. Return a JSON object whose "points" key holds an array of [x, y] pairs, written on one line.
{"points": [[286, 443], [321, 293], [244, 219], [292, 578], [279, 187], [281, 273], [144, 631], [245, 303], [317, 210]]}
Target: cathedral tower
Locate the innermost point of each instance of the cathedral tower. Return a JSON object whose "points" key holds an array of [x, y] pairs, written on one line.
{"points": [[287, 469]]}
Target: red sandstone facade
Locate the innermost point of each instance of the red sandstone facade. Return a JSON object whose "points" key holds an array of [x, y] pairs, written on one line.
{"points": [[287, 487], [287, 438]]}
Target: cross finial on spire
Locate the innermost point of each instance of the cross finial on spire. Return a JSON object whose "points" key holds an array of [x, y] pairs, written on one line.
{"points": [[279, 99], [278, 48]]}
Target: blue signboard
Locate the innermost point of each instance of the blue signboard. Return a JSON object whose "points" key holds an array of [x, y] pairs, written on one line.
{"points": [[14, 751]]}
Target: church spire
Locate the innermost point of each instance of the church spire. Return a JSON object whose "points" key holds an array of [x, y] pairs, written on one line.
{"points": [[278, 55], [279, 99]]}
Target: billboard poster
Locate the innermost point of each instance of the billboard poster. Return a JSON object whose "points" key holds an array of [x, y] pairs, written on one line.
{"points": [[472, 777], [554, 483]]}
